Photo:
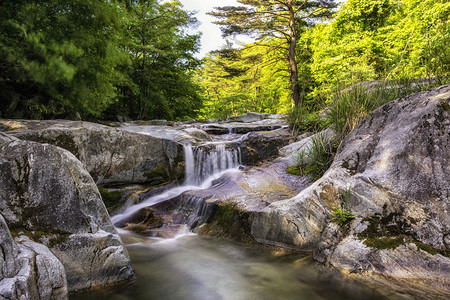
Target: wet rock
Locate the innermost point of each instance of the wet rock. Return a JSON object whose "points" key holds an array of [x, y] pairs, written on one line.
{"points": [[145, 217], [49, 196]]}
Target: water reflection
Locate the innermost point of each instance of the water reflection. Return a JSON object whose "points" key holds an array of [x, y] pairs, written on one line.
{"points": [[193, 267]]}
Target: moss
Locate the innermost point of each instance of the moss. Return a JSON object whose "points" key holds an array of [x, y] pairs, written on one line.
{"points": [[387, 232], [51, 240], [295, 170], [432, 250], [109, 198], [446, 106], [384, 242], [390, 232], [157, 176], [229, 221]]}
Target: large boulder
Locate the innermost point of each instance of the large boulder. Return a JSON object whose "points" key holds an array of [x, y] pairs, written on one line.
{"points": [[47, 195], [257, 147], [111, 155], [392, 173]]}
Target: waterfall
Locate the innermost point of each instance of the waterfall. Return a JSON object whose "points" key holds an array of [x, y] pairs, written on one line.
{"points": [[201, 163], [204, 161], [189, 165]]}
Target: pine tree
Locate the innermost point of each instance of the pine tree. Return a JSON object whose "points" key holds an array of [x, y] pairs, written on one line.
{"points": [[268, 20]]}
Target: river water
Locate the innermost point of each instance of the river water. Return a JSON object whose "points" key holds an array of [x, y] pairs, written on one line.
{"points": [[194, 267]]}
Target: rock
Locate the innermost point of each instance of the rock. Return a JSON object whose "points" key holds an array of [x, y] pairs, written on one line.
{"points": [[260, 146], [248, 117], [111, 155], [29, 270], [391, 173], [47, 195], [303, 136]]}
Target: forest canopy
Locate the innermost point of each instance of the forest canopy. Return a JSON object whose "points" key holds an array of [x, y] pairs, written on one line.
{"points": [[136, 58]]}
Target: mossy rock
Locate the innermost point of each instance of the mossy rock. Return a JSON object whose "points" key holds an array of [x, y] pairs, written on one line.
{"points": [[109, 198], [295, 170], [384, 242], [157, 176], [228, 221]]}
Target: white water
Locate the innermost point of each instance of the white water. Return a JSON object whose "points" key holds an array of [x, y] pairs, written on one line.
{"points": [[201, 169], [200, 164]]}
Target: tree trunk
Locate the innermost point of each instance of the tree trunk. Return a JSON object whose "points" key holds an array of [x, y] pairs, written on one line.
{"points": [[293, 72]]}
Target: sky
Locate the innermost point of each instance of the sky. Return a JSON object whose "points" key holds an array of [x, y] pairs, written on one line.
{"points": [[212, 38]]}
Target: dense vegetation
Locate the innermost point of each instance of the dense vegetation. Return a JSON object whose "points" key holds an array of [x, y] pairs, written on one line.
{"points": [[134, 58], [365, 40], [97, 58]]}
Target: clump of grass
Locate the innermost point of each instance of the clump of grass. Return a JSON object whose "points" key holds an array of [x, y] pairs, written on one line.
{"points": [[317, 158], [351, 105], [302, 120]]}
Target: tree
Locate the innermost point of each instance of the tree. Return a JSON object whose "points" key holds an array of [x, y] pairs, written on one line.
{"points": [[236, 81], [381, 40], [163, 62], [269, 20], [58, 56]]}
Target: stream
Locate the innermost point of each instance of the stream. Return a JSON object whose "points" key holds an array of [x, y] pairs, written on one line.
{"points": [[189, 266], [193, 267]]}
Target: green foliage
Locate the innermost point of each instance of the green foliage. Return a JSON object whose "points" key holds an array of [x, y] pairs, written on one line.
{"points": [[58, 56], [317, 157], [97, 58], [276, 25], [351, 105], [236, 81], [381, 40], [161, 75], [342, 216]]}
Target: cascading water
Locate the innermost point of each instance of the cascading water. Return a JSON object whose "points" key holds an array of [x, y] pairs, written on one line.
{"points": [[203, 162]]}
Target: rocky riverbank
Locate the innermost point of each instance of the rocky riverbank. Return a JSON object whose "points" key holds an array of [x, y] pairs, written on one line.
{"points": [[380, 213]]}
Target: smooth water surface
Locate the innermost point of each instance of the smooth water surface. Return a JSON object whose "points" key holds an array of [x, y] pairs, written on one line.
{"points": [[193, 267]]}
